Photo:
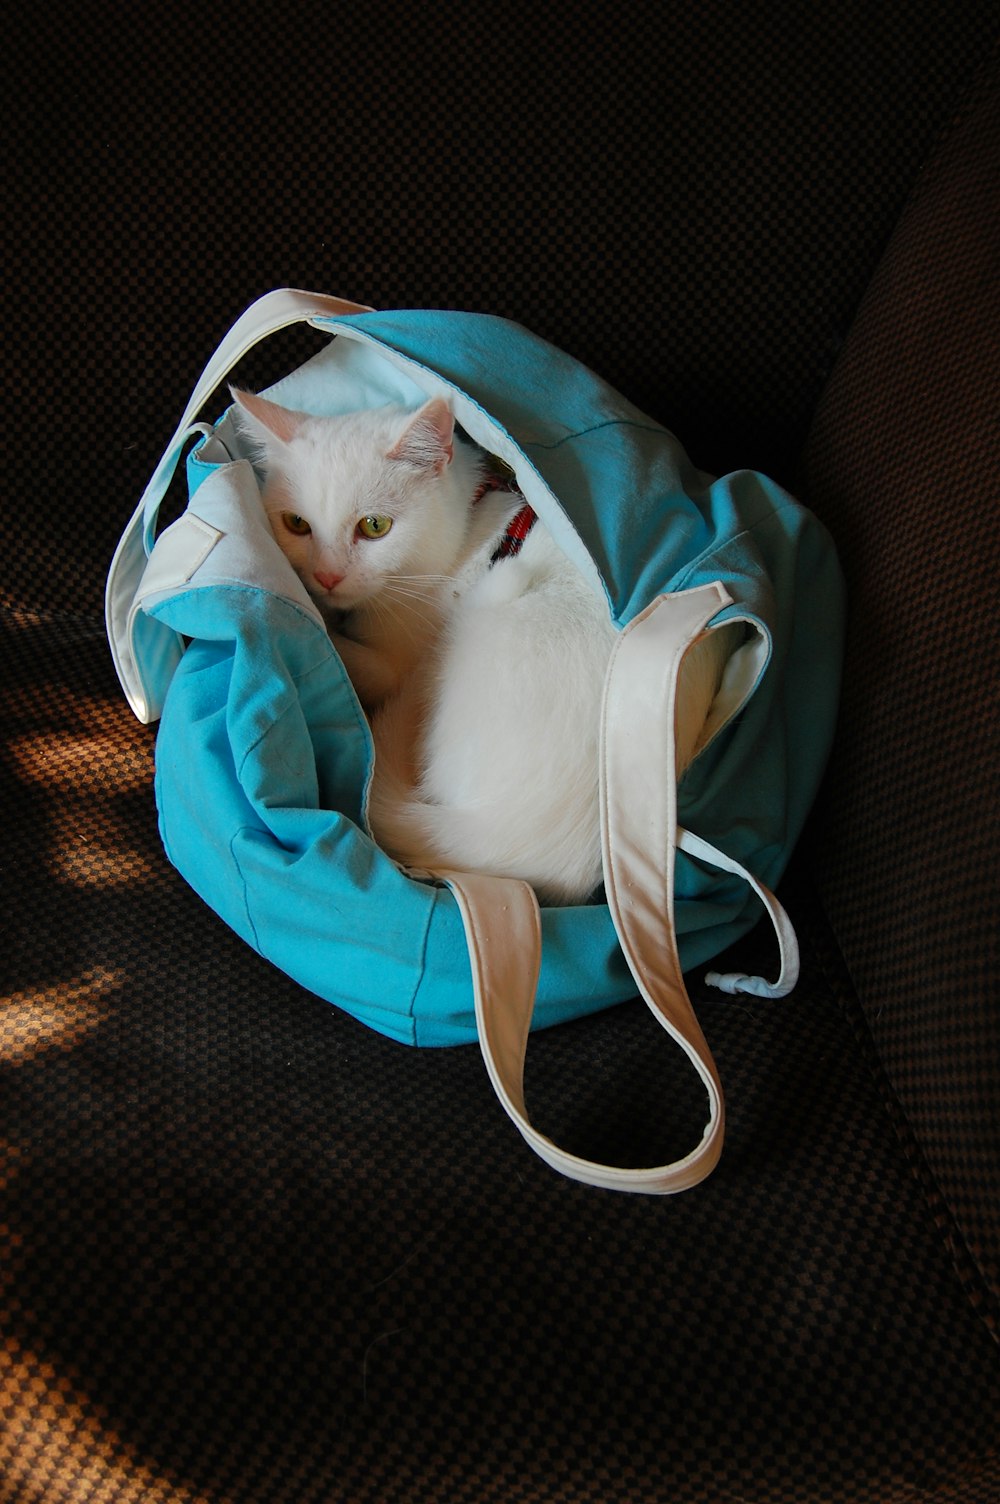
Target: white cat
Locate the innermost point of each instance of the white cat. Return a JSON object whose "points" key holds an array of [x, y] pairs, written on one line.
{"points": [[482, 675]]}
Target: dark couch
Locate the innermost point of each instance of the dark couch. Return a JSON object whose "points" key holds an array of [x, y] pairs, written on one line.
{"points": [[251, 1251]]}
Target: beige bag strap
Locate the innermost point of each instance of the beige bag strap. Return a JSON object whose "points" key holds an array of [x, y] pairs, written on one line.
{"points": [[639, 838], [144, 681]]}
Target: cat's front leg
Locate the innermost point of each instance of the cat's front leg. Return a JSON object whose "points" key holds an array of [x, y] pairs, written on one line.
{"points": [[373, 672]]}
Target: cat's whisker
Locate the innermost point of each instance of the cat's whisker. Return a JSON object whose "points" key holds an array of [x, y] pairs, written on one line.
{"points": [[401, 612], [411, 599], [413, 604], [423, 578], [418, 588], [387, 609], [415, 586]]}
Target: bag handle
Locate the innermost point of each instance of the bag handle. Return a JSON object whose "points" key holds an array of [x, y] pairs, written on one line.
{"points": [[639, 837], [144, 677]]}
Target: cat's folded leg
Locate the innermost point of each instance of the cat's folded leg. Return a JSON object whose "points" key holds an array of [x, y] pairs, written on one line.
{"points": [[374, 674]]}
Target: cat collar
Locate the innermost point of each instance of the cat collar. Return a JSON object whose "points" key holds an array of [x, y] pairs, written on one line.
{"points": [[501, 478]]}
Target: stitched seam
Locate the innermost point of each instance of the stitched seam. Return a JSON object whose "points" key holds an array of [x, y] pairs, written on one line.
{"points": [[582, 433], [744, 532], [422, 970], [244, 829]]}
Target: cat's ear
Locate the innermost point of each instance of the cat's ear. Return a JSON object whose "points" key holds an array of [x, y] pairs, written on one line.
{"points": [[428, 440], [265, 421]]}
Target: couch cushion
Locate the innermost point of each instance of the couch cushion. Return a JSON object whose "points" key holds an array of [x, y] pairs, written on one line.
{"points": [[251, 1250], [903, 464]]}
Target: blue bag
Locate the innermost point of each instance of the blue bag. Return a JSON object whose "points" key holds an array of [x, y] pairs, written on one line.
{"points": [[263, 754]]}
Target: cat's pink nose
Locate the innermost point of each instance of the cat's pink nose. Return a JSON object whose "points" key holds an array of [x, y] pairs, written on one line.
{"points": [[327, 581]]}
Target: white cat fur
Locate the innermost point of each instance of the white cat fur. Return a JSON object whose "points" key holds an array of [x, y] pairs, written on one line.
{"points": [[483, 685]]}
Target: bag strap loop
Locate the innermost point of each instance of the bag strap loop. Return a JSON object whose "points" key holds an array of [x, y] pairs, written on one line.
{"points": [[274, 311], [639, 840], [788, 945]]}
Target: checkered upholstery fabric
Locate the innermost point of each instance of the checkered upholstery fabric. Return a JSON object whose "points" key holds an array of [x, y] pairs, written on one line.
{"points": [[690, 201], [251, 1253], [904, 458]]}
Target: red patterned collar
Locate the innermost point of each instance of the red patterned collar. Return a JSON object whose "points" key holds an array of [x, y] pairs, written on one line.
{"points": [[500, 477]]}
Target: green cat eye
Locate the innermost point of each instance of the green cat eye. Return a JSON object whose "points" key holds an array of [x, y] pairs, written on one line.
{"points": [[296, 524], [375, 526]]}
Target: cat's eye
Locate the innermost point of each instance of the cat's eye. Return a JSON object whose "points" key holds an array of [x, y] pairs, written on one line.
{"points": [[375, 526], [296, 524]]}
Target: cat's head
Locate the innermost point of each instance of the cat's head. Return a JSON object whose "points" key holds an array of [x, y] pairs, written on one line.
{"points": [[362, 502]]}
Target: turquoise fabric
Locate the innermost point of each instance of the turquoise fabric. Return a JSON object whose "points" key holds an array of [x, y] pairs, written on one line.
{"points": [[263, 753]]}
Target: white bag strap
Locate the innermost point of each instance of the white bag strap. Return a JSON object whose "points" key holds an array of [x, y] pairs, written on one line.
{"points": [[141, 680], [788, 945], [639, 838]]}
